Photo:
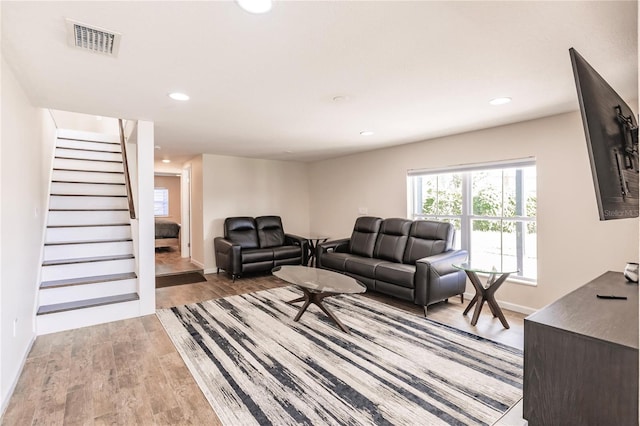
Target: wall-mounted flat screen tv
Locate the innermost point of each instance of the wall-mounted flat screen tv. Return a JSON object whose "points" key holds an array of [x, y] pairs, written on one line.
{"points": [[612, 142]]}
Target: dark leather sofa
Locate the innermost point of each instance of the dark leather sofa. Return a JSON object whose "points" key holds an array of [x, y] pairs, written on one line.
{"points": [[256, 245], [407, 259]]}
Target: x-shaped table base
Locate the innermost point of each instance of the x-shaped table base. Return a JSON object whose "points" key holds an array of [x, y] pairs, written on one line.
{"points": [[316, 298], [486, 295]]}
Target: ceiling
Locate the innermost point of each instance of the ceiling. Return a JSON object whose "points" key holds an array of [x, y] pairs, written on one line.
{"points": [[263, 86]]}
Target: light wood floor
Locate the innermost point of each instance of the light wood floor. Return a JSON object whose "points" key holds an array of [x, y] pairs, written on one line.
{"points": [[169, 262], [128, 372]]}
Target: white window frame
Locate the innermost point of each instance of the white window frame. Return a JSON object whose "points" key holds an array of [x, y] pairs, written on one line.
{"points": [[165, 201], [467, 215]]}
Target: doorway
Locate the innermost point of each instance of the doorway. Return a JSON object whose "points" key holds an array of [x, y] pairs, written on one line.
{"points": [[172, 225]]}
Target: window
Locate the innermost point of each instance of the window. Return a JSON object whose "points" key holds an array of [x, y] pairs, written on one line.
{"points": [[161, 202], [493, 209]]}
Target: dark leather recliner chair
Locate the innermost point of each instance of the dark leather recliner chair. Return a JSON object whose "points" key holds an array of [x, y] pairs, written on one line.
{"points": [[257, 245], [411, 260]]}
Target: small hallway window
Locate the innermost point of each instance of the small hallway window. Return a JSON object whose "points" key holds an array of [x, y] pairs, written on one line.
{"points": [[161, 202]]}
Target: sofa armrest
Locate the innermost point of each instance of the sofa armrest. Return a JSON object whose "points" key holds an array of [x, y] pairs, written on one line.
{"points": [[436, 279], [443, 263], [228, 255], [303, 243], [337, 246]]}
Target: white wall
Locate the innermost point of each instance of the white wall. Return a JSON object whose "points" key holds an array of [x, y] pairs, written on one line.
{"points": [[197, 233], [85, 122], [573, 245], [234, 186], [28, 137]]}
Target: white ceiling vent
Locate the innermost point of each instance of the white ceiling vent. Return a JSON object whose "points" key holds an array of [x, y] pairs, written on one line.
{"points": [[94, 39]]}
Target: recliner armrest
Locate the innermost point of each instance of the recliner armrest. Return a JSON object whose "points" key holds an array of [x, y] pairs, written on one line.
{"points": [[436, 279], [296, 240], [442, 263], [228, 255], [339, 246]]}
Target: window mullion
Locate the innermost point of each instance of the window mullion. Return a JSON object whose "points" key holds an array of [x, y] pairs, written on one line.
{"points": [[467, 207]]}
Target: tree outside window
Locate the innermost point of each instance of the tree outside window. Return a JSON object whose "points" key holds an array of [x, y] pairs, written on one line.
{"points": [[493, 211]]}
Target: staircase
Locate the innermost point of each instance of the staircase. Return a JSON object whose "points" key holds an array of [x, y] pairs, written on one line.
{"points": [[88, 271]]}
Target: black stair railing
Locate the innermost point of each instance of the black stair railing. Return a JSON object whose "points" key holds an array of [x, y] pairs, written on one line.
{"points": [[127, 180]]}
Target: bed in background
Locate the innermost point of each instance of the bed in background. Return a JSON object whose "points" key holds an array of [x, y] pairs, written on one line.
{"points": [[167, 233]]}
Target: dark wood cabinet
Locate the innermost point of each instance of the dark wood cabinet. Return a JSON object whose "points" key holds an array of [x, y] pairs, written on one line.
{"points": [[581, 357]]}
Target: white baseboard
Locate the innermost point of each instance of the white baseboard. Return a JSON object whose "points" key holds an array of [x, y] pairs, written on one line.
{"points": [[210, 270], [6, 398], [198, 264], [506, 305]]}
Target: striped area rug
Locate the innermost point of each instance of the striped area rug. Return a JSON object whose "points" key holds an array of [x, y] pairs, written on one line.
{"points": [[258, 367]]}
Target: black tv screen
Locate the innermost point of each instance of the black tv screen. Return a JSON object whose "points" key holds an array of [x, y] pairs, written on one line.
{"points": [[612, 142]]}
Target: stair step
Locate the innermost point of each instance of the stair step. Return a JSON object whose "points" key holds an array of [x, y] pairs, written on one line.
{"points": [[86, 260], [61, 243], [87, 159], [69, 267], [86, 234], [87, 201], [87, 165], [87, 183], [91, 176], [88, 149], [72, 251], [83, 217], [83, 188], [88, 210], [87, 280], [89, 303], [89, 225], [90, 195], [55, 169], [88, 154]]}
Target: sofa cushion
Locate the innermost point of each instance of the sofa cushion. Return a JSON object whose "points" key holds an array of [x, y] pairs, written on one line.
{"points": [[363, 266], [256, 255], [397, 273], [241, 231], [287, 252], [334, 260], [270, 232], [392, 239], [363, 238], [428, 238]]}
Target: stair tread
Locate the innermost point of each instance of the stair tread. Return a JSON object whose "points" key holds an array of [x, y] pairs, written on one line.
{"points": [[88, 159], [89, 226], [88, 303], [88, 195], [86, 260], [87, 183], [62, 243], [85, 171], [88, 149], [87, 280], [88, 210], [88, 140]]}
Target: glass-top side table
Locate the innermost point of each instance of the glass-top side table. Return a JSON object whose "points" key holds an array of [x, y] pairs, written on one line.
{"points": [[485, 292], [313, 241]]}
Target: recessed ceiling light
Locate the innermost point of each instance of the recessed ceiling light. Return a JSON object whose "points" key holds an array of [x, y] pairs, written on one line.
{"points": [[499, 101], [166, 161], [255, 6], [176, 96], [157, 147], [366, 133]]}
